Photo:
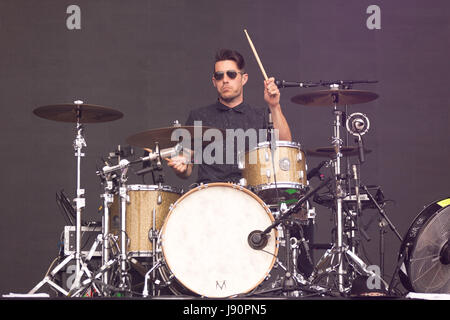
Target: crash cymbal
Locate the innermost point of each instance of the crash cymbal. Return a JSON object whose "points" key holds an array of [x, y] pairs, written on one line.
{"points": [[329, 152], [338, 97], [163, 136], [84, 113]]}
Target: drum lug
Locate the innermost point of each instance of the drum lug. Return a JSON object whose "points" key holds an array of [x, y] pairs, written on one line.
{"points": [[266, 156], [299, 157], [301, 175], [312, 213], [268, 173], [241, 161], [159, 199]]}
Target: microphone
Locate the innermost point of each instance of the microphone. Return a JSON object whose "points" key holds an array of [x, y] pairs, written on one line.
{"points": [[257, 239], [122, 164], [164, 153], [360, 149], [293, 84], [316, 171], [357, 194], [358, 125]]}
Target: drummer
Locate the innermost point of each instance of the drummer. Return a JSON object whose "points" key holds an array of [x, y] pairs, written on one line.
{"points": [[230, 111]]}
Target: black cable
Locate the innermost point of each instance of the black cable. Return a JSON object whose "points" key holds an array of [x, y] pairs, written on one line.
{"points": [[63, 210]]}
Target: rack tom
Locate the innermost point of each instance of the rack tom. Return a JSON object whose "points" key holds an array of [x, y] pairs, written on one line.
{"points": [[283, 180]]}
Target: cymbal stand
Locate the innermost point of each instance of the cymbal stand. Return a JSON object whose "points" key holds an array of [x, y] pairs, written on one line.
{"points": [[339, 192], [80, 202], [123, 257], [79, 143], [338, 249], [334, 258]]}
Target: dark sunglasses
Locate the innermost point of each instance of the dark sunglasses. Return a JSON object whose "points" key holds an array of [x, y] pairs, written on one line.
{"points": [[218, 75]]}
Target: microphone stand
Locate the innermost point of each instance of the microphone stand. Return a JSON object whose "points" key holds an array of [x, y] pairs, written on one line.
{"points": [[272, 137], [258, 239], [383, 222]]}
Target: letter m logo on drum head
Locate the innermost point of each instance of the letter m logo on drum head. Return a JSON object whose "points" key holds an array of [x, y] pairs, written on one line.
{"points": [[220, 285]]}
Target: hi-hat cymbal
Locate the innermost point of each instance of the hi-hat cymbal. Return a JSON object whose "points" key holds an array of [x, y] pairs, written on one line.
{"points": [[338, 97], [329, 152], [166, 137], [83, 113]]}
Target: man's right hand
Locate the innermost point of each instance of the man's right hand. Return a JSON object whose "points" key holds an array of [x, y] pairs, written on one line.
{"points": [[180, 165]]}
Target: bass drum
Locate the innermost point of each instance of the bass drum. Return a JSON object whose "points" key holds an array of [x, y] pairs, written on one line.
{"points": [[426, 267], [204, 242]]}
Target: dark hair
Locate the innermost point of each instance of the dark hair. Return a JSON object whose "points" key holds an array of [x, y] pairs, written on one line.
{"points": [[227, 54]]}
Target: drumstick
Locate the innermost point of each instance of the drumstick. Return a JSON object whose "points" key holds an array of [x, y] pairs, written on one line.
{"points": [[256, 55]]}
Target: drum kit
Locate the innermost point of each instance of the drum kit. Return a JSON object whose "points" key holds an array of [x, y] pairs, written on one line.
{"points": [[220, 240]]}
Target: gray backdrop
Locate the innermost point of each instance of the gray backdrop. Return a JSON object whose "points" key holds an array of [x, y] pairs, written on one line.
{"points": [[152, 60]]}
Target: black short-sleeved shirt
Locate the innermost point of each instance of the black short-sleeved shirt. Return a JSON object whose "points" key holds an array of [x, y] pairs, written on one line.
{"points": [[222, 117]]}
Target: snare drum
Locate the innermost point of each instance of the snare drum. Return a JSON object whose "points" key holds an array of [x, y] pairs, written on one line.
{"points": [[145, 202], [204, 241], [290, 172]]}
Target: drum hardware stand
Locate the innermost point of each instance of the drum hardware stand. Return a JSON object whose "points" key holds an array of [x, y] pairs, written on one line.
{"points": [[108, 199], [292, 280], [338, 247], [273, 138], [258, 239], [341, 250], [84, 284], [384, 221], [153, 232], [124, 199], [337, 142], [123, 258], [80, 202], [147, 278]]}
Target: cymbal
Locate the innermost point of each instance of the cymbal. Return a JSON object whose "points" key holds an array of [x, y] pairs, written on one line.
{"points": [[329, 152], [84, 113], [163, 136], [338, 97]]}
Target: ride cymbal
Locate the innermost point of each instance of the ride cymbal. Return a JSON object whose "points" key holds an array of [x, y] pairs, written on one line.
{"points": [[332, 97]]}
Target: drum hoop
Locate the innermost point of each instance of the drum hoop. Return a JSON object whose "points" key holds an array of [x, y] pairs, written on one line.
{"points": [[282, 184], [279, 143], [266, 144], [152, 187], [221, 184], [419, 223], [160, 247]]}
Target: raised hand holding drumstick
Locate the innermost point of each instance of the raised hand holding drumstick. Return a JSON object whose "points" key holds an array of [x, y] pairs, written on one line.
{"points": [[272, 98]]}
